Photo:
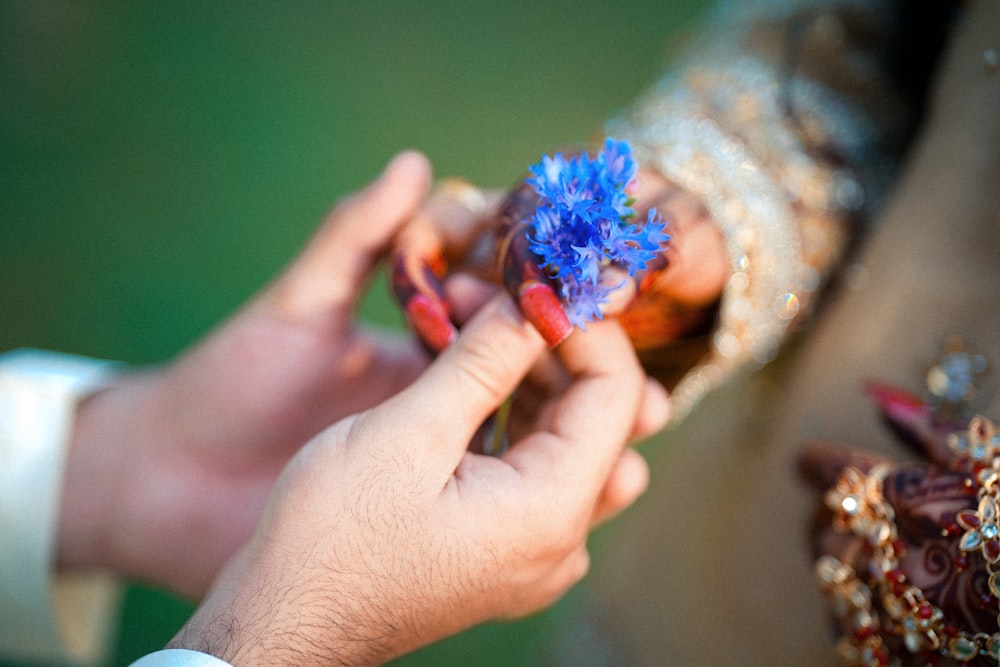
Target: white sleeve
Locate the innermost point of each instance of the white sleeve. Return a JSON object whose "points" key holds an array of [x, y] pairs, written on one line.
{"points": [[44, 615], [178, 657]]}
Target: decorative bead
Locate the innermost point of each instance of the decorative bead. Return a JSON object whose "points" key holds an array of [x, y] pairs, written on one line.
{"points": [[969, 519], [970, 541], [899, 547], [991, 549], [988, 509], [894, 606], [895, 575], [912, 641], [962, 648], [994, 583], [876, 656], [992, 646]]}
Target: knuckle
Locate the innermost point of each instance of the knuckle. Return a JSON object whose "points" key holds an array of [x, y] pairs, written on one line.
{"points": [[486, 365], [567, 574], [580, 566], [563, 537]]}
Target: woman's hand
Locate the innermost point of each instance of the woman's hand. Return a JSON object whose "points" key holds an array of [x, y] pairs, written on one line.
{"points": [[680, 299], [465, 230], [908, 573]]}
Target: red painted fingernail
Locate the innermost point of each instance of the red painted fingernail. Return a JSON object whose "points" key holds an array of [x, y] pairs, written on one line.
{"points": [[897, 404], [430, 320], [543, 309]]}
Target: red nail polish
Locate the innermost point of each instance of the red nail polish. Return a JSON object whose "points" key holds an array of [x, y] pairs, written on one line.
{"points": [[543, 309], [895, 403], [430, 320]]}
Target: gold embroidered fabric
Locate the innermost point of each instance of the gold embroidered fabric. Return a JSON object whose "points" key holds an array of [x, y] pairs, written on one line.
{"points": [[783, 126]]}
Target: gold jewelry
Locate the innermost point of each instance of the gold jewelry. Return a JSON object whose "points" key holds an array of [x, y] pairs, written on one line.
{"points": [[885, 603], [467, 195]]}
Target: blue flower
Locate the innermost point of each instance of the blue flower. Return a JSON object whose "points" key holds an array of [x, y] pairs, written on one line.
{"points": [[584, 223]]}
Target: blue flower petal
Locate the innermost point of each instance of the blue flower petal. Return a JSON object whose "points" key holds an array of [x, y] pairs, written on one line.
{"points": [[582, 224]]}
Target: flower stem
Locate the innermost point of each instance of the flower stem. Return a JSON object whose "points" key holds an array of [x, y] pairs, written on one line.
{"points": [[497, 441]]}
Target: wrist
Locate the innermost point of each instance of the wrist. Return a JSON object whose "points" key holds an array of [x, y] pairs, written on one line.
{"points": [[258, 613], [93, 520], [245, 622]]}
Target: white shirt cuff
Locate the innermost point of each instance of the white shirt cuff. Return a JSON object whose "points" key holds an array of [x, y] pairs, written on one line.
{"points": [[44, 616], [179, 657]]}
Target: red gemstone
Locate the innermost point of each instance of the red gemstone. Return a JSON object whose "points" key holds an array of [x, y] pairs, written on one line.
{"points": [[961, 562], [924, 611], [992, 550], [969, 519]]}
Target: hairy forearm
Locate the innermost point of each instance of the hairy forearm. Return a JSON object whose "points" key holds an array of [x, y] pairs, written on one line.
{"points": [[262, 613]]}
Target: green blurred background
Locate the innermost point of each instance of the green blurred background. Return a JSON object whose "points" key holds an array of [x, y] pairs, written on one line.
{"points": [[159, 162]]}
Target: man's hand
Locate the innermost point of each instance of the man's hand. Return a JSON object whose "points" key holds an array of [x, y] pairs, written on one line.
{"points": [[386, 533], [169, 469]]}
